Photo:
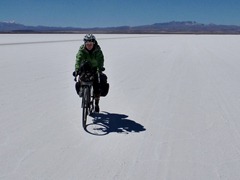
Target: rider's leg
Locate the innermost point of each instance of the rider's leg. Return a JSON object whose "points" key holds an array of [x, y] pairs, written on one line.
{"points": [[97, 98], [97, 93]]}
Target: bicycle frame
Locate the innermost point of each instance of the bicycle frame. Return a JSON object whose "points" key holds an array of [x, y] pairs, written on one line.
{"points": [[89, 87]]}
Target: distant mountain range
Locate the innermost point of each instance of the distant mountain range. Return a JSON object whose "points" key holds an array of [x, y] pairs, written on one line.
{"points": [[184, 27]]}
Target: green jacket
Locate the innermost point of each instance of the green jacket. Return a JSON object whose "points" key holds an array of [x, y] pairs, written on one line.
{"points": [[95, 57]]}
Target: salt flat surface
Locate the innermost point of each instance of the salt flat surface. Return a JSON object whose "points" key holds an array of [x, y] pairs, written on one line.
{"points": [[172, 112]]}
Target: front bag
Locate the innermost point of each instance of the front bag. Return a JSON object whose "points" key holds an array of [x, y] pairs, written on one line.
{"points": [[104, 85]]}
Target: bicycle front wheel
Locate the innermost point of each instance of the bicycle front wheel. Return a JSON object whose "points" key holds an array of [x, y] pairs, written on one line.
{"points": [[85, 105]]}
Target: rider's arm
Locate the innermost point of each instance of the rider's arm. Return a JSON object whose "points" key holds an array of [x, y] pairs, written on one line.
{"points": [[100, 59], [79, 59]]}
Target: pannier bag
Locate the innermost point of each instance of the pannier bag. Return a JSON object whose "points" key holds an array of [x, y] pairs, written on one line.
{"points": [[104, 85]]}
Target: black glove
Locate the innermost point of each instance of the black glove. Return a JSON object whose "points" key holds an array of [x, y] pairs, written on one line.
{"points": [[75, 75], [100, 70]]}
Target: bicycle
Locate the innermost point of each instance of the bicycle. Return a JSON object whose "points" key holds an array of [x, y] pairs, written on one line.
{"points": [[87, 95]]}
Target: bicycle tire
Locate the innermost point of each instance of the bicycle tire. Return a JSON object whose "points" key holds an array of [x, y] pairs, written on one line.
{"points": [[91, 101], [85, 105]]}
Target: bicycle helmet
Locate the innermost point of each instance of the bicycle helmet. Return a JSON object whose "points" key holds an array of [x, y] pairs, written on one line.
{"points": [[89, 37]]}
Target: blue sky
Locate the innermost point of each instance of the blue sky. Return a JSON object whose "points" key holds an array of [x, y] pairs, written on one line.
{"points": [[106, 13]]}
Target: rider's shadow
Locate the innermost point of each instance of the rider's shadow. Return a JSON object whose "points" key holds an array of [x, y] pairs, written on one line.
{"points": [[110, 122]]}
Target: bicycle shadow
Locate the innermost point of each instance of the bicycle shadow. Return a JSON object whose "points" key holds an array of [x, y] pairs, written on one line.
{"points": [[105, 123]]}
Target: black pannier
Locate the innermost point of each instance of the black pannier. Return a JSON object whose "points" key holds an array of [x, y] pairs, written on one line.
{"points": [[104, 85]]}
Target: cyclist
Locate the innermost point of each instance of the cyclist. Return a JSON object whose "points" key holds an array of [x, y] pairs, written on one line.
{"points": [[91, 53]]}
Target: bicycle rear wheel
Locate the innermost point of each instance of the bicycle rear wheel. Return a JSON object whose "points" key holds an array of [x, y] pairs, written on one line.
{"points": [[85, 105]]}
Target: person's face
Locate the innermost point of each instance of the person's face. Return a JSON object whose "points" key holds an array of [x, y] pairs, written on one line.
{"points": [[89, 45]]}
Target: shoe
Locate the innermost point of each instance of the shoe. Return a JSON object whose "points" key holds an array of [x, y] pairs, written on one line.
{"points": [[96, 108]]}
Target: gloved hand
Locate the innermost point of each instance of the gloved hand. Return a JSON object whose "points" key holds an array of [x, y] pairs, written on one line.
{"points": [[75, 75], [100, 70]]}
